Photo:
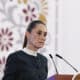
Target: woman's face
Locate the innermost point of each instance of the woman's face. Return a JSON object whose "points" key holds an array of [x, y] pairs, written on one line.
{"points": [[37, 37]]}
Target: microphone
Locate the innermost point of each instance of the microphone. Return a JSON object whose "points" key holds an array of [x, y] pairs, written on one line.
{"points": [[66, 62], [53, 63]]}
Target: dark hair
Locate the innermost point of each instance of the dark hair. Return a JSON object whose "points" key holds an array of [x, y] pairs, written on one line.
{"points": [[31, 26]]}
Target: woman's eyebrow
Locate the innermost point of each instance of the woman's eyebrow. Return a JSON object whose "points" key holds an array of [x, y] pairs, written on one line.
{"points": [[42, 31]]}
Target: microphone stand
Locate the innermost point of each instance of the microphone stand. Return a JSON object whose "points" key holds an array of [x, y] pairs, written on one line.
{"points": [[66, 62], [54, 63], [70, 65]]}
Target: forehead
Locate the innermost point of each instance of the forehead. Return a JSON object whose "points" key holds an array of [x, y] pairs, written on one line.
{"points": [[40, 27]]}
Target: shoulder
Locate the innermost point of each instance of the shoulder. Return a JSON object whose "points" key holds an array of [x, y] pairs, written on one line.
{"points": [[15, 55]]}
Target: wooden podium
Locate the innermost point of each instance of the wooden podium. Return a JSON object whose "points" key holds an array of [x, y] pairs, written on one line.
{"points": [[63, 77]]}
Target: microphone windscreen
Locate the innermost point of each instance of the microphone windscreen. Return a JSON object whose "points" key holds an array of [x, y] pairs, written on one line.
{"points": [[50, 56], [59, 56]]}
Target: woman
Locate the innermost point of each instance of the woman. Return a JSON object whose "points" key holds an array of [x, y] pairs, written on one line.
{"points": [[28, 64]]}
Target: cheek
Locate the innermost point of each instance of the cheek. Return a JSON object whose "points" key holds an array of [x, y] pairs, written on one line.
{"points": [[34, 38]]}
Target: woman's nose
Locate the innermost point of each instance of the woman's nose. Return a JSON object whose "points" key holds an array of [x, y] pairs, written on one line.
{"points": [[43, 37]]}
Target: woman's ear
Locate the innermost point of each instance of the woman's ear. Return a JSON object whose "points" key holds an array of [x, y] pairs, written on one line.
{"points": [[27, 34]]}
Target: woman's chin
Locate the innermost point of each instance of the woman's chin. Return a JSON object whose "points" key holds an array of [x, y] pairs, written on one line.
{"points": [[40, 46]]}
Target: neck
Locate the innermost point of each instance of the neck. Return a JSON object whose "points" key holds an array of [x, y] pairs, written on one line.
{"points": [[32, 48]]}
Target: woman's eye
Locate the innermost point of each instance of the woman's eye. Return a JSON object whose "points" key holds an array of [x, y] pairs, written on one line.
{"points": [[45, 34], [39, 33], [42, 33]]}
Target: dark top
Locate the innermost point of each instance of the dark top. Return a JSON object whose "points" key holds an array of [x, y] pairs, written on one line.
{"points": [[22, 66]]}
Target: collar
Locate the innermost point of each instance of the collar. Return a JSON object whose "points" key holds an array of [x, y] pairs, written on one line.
{"points": [[30, 52]]}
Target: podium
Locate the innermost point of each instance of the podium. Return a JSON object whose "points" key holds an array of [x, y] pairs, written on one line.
{"points": [[63, 77]]}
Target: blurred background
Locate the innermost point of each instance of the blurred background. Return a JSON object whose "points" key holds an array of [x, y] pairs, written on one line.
{"points": [[62, 18]]}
